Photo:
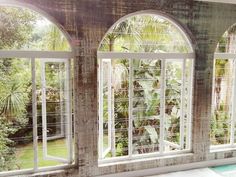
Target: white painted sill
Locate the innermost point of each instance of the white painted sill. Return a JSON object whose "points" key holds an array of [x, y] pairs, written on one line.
{"points": [[144, 159], [223, 149]]}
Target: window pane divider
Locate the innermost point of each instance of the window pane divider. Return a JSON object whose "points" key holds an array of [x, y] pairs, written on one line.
{"points": [[34, 111], [44, 109], [113, 130], [182, 114], [130, 107], [162, 105], [35, 54], [171, 56], [109, 106], [224, 56], [100, 109], [233, 115], [68, 97]]}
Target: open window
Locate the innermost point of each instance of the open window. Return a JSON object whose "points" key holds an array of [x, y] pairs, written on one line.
{"points": [[145, 89], [106, 93], [56, 113], [223, 119], [36, 127]]}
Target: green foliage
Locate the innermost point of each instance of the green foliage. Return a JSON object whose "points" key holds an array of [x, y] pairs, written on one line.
{"points": [[220, 126], [13, 104], [7, 153], [46, 36], [23, 29], [15, 27], [145, 33]]}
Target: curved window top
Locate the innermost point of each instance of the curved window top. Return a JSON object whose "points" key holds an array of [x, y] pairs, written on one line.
{"points": [[227, 43], [24, 29], [146, 33]]}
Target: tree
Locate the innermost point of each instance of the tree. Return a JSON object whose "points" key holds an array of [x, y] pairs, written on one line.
{"points": [[16, 27]]}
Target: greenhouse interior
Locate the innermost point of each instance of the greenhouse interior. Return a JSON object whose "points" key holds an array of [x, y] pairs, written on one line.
{"points": [[118, 88]]}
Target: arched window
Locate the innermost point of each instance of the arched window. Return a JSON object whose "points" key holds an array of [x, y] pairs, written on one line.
{"points": [[145, 89], [35, 93], [224, 92]]}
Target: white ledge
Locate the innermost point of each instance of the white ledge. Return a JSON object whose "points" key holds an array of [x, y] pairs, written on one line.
{"points": [[220, 1]]}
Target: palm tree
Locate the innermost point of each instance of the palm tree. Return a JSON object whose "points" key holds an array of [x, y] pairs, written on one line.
{"points": [[13, 103]]}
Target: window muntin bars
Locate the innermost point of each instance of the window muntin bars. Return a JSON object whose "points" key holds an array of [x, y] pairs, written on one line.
{"points": [[47, 60], [223, 102], [110, 72], [138, 53]]}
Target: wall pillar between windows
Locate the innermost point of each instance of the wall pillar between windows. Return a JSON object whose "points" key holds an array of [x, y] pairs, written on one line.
{"points": [[87, 21]]}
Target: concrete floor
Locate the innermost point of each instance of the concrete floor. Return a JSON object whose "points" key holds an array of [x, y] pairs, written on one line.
{"points": [[205, 172]]}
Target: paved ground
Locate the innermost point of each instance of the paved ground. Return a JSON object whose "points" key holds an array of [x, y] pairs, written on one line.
{"points": [[205, 172]]}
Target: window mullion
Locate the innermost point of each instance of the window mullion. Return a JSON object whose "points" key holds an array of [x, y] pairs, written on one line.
{"points": [[68, 110], [101, 109], [213, 106], [113, 130], [233, 115], [162, 112], [44, 111], [109, 105], [130, 141], [182, 105], [34, 110]]}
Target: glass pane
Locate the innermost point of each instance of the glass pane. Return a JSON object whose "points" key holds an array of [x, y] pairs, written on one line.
{"points": [[57, 116], [173, 105], [106, 89], [145, 33], [116, 134], [120, 94], [221, 106], [16, 130], [146, 105]]}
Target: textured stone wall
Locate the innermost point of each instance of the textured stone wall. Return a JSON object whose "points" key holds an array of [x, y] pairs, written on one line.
{"points": [[87, 21]]}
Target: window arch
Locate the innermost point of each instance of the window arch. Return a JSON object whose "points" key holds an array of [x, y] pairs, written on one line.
{"points": [[224, 93], [35, 101], [145, 89]]}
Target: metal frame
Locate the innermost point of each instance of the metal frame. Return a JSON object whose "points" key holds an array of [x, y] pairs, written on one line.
{"points": [[44, 56], [164, 57]]}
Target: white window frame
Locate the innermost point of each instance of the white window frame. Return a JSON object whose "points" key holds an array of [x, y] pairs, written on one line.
{"points": [[103, 152], [226, 56], [68, 122], [164, 57], [219, 1], [47, 56]]}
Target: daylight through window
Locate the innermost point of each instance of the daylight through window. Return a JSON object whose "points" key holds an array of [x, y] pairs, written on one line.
{"points": [[35, 94], [224, 93], [145, 89]]}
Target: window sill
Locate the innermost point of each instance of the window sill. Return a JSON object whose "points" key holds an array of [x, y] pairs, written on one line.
{"points": [[142, 158], [223, 149], [39, 172]]}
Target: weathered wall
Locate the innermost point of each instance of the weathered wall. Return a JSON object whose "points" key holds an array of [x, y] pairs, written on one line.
{"points": [[87, 21]]}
